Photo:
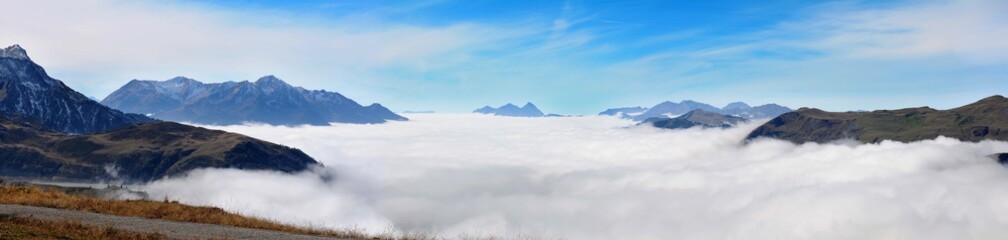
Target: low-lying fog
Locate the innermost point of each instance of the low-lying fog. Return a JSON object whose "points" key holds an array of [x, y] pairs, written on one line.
{"points": [[592, 178]]}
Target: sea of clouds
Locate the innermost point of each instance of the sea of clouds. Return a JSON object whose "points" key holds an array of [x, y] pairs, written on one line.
{"points": [[600, 178]]}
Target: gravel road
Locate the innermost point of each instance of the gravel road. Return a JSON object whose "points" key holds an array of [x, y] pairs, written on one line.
{"points": [[172, 229]]}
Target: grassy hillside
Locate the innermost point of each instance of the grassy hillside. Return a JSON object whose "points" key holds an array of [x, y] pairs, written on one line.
{"points": [[982, 120], [137, 153]]}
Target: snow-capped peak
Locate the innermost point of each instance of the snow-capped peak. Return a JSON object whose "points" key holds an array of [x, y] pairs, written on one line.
{"points": [[15, 51], [271, 81], [180, 79], [269, 84]]}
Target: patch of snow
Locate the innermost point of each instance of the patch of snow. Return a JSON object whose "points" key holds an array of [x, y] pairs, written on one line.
{"points": [[31, 85], [15, 52]]}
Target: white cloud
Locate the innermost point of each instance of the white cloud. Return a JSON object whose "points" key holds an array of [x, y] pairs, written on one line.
{"points": [[970, 30], [99, 45], [591, 178], [965, 29], [323, 197]]}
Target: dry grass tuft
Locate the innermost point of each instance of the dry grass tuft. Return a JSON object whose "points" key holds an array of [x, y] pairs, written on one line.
{"points": [[25, 228]]}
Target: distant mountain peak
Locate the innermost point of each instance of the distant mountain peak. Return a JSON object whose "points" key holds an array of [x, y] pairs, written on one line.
{"points": [[271, 80], [511, 110], [736, 105], [14, 51], [270, 84], [27, 92], [181, 79], [530, 107]]}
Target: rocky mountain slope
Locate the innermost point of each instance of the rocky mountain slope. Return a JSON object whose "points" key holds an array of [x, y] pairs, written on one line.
{"points": [[136, 153], [510, 110], [28, 93], [982, 120], [696, 118], [267, 100]]}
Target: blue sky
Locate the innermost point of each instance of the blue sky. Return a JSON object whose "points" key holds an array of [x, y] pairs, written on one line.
{"points": [[574, 57]]}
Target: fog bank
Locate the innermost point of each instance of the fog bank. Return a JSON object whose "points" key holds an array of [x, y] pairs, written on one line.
{"points": [[594, 178]]}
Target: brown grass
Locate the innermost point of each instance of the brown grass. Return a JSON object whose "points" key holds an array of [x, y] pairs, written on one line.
{"points": [[25, 228], [168, 210]]}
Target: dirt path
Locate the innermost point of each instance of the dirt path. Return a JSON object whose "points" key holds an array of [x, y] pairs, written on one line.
{"points": [[172, 229]]}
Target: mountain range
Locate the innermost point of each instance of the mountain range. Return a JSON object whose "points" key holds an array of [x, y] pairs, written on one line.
{"points": [[697, 117], [510, 110], [29, 94], [670, 109], [986, 119], [267, 100], [49, 131]]}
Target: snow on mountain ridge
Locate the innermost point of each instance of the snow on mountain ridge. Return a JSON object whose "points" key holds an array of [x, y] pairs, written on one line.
{"points": [[267, 100], [14, 51]]}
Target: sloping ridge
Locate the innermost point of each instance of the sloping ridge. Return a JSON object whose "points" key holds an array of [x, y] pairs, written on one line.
{"points": [[137, 153], [986, 119]]}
